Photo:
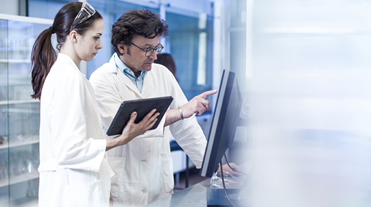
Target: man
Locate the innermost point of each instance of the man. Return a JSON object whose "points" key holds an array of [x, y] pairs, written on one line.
{"points": [[143, 167]]}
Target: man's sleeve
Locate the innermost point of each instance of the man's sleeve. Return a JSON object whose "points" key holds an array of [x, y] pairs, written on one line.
{"points": [[187, 132]]}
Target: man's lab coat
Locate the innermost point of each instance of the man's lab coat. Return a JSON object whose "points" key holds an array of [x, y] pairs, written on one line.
{"points": [[143, 167], [73, 168]]}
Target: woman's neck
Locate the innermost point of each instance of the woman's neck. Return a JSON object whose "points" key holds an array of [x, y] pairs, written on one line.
{"points": [[69, 50]]}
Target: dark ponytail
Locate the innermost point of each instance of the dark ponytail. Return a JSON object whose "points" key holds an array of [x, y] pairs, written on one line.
{"points": [[43, 57], [43, 54]]}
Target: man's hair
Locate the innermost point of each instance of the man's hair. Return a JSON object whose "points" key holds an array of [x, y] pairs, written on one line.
{"points": [[137, 23]]}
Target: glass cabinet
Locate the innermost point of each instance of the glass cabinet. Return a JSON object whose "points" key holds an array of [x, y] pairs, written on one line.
{"points": [[19, 113]]}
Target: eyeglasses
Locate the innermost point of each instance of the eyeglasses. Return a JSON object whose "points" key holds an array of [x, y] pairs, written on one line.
{"points": [[85, 13], [149, 51]]}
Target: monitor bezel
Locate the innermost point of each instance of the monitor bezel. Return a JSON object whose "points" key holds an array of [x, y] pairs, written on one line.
{"points": [[210, 164]]}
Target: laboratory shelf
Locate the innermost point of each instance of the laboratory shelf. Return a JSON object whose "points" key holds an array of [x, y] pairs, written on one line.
{"points": [[19, 178], [19, 101], [15, 61], [15, 142]]}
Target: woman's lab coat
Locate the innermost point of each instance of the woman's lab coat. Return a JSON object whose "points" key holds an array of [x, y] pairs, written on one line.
{"points": [[73, 168], [143, 167]]}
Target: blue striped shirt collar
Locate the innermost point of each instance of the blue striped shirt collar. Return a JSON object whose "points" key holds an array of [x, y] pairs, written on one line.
{"points": [[129, 73]]}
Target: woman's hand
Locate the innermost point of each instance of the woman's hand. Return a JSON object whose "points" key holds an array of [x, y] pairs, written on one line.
{"points": [[132, 130]]}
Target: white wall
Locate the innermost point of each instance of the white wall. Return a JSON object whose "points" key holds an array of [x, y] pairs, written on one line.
{"points": [[9, 7]]}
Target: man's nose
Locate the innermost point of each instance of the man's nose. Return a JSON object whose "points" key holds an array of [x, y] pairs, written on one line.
{"points": [[153, 55]]}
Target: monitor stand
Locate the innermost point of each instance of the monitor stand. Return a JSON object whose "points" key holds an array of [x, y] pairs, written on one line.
{"points": [[217, 197]]}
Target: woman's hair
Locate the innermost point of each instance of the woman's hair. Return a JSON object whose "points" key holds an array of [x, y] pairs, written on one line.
{"points": [[137, 23], [43, 54], [167, 61]]}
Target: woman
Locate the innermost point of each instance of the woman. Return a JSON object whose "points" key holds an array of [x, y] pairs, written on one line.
{"points": [[73, 168], [167, 60]]}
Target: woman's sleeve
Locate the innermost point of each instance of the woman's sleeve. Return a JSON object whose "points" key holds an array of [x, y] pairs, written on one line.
{"points": [[70, 118]]}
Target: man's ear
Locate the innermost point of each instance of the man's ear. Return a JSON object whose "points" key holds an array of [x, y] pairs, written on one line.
{"points": [[121, 48]]}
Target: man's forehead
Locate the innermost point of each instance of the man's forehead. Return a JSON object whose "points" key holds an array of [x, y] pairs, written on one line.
{"points": [[146, 41]]}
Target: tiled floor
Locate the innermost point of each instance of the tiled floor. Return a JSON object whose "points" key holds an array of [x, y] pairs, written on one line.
{"points": [[194, 178]]}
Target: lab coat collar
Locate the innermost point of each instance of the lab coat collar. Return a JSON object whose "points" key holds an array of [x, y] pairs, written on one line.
{"points": [[122, 67], [123, 78], [112, 68], [146, 82], [67, 59]]}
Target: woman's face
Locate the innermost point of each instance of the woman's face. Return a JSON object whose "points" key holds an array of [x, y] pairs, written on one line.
{"points": [[89, 44]]}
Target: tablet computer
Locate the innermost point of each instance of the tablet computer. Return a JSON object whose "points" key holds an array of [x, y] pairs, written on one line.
{"points": [[142, 107]]}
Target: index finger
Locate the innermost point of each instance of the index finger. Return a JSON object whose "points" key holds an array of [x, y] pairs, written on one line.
{"points": [[208, 93], [149, 115]]}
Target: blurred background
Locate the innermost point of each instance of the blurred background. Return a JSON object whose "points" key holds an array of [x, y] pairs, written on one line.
{"points": [[310, 103]]}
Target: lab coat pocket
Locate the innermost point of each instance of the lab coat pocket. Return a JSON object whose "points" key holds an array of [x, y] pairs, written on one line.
{"points": [[85, 189], [169, 182], [88, 195], [117, 164]]}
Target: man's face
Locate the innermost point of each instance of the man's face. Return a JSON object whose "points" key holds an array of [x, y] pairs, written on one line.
{"points": [[135, 58]]}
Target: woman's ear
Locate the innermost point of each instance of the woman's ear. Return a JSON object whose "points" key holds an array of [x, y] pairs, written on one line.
{"points": [[121, 48], [73, 36]]}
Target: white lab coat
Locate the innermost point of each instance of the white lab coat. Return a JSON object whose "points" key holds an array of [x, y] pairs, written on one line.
{"points": [[143, 167], [73, 168]]}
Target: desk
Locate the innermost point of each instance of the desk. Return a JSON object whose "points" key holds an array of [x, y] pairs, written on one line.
{"points": [[194, 196]]}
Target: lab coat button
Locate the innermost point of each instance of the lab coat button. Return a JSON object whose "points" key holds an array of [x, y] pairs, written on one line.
{"points": [[144, 190]]}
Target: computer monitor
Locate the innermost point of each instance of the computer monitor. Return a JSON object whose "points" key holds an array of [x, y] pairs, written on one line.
{"points": [[224, 122]]}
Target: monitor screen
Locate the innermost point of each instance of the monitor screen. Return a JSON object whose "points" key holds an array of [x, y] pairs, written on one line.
{"points": [[224, 122]]}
